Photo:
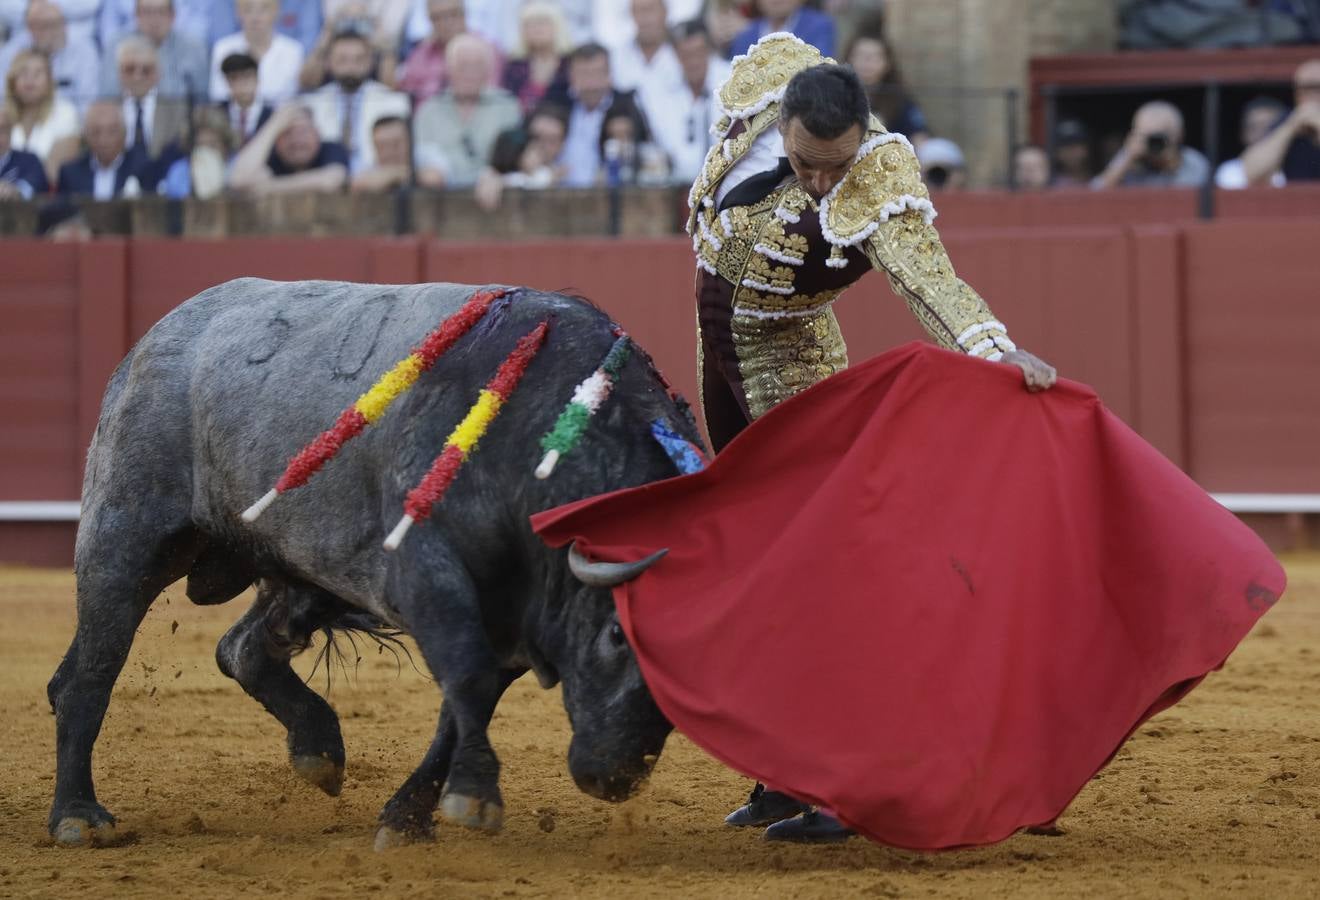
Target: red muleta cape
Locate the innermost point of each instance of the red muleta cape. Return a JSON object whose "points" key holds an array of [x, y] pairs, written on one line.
{"points": [[926, 598]]}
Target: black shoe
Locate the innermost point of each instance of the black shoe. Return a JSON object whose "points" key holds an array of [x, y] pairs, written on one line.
{"points": [[810, 828], [764, 807]]}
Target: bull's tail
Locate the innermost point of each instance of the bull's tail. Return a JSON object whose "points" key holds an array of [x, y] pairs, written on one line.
{"points": [[346, 638]]}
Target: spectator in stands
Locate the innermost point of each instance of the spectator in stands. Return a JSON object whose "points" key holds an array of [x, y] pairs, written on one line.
{"points": [[74, 61], [1258, 118], [189, 19], [527, 157], [22, 176], [724, 22], [463, 122], [872, 58], [1153, 154], [156, 125], [287, 155], [300, 20], [201, 170], [346, 109], [612, 23], [1031, 168], [79, 19], [391, 141], [279, 58], [105, 171], [681, 117], [244, 110], [45, 122], [591, 99], [627, 153], [538, 62], [1072, 155], [646, 63], [423, 72], [379, 21], [943, 167], [1293, 147], [793, 16], [184, 64]]}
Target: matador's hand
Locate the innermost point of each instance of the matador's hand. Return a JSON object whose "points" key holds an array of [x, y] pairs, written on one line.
{"points": [[1038, 374]]}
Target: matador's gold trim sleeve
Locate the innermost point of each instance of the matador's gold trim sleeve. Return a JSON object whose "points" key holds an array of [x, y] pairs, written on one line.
{"points": [[902, 242]]}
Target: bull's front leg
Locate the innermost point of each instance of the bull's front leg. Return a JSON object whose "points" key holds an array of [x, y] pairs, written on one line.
{"points": [[438, 604], [471, 797]]}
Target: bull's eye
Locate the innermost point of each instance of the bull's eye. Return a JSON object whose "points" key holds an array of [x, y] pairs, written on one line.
{"points": [[616, 635]]}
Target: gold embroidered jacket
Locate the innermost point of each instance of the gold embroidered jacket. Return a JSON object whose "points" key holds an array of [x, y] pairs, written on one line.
{"points": [[788, 258]]}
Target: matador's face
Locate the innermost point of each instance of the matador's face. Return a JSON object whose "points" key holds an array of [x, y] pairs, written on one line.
{"points": [[819, 163]]}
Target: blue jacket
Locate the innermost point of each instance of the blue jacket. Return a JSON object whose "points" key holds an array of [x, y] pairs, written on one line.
{"points": [[23, 168], [77, 177], [814, 27]]}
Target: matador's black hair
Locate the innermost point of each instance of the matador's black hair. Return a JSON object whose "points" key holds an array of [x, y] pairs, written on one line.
{"points": [[827, 100]]}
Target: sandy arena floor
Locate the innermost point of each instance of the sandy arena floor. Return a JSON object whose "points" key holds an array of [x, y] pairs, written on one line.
{"points": [[1218, 796]]}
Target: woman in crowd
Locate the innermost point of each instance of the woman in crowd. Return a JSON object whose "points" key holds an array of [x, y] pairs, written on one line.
{"points": [[872, 58], [203, 171], [539, 60], [45, 123]]}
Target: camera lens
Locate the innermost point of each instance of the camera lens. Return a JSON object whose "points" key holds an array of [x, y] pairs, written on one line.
{"points": [[1156, 143], [936, 176]]}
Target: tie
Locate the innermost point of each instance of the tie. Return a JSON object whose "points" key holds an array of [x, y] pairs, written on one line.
{"points": [[346, 132], [242, 123], [139, 130], [758, 187]]}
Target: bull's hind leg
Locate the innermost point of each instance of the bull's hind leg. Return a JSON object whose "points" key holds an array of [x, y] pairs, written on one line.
{"points": [[256, 654], [119, 575]]}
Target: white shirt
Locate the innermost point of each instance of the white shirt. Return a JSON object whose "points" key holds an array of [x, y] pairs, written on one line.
{"points": [[1231, 175], [103, 178], [630, 70], [277, 70], [61, 123], [680, 121], [148, 118], [762, 156]]}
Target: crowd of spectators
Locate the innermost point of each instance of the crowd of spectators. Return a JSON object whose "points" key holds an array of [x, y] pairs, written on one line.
{"points": [[260, 96], [1280, 145], [115, 98]]}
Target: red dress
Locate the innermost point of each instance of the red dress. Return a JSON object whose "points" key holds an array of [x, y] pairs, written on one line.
{"points": [[926, 598]]}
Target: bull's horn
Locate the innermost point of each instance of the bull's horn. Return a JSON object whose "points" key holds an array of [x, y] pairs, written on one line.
{"points": [[607, 574]]}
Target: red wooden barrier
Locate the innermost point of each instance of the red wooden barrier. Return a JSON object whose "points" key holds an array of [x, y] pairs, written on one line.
{"points": [[1253, 345], [1202, 336]]}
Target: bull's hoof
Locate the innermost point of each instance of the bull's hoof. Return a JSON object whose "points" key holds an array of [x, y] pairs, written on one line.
{"points": [[76, 831], [317, 770], [388, 838], [470, 812]]}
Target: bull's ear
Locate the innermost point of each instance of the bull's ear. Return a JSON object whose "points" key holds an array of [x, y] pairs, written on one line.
{"points": [[546, 675]]}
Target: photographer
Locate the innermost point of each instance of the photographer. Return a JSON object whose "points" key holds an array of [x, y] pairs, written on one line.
{"points": [[1293, 146], [1153, 154]]}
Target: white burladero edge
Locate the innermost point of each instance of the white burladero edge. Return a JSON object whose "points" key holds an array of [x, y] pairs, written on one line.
{"points": [[67, 510]]}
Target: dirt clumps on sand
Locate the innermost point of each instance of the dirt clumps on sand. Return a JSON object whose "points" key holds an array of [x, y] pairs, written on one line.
{"points": [[1219, 796]]}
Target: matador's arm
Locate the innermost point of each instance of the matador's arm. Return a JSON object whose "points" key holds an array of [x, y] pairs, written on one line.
{"points": [[882, 206]]}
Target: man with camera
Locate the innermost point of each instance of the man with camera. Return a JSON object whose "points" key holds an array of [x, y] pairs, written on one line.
{"points": [[1293, 147], [1153, 154]]}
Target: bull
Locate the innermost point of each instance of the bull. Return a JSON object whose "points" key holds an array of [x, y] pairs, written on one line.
{"points": [[201, 417]]}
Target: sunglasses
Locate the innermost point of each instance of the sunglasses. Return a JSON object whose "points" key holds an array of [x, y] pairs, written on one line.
{"points": [[137, 68]]}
